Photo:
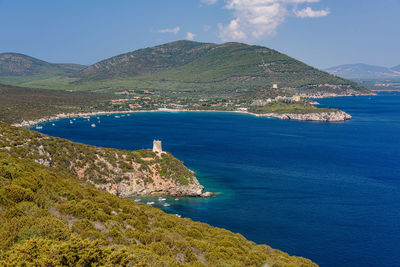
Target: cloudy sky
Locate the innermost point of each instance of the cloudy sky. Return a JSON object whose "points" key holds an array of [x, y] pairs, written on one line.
{"points": [[322, 33]]}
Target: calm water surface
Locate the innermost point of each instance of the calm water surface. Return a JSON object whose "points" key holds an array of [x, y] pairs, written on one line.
{"points": [[326, 191]]}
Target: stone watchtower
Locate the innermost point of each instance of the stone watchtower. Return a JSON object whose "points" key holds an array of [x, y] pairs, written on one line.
{"points": [[157, 146]]}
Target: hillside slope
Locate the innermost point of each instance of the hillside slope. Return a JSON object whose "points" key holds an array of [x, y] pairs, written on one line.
{"points": [[14, 64], [145, 61], [210, 69], [121, 173], [18, 68], [47, 218]]}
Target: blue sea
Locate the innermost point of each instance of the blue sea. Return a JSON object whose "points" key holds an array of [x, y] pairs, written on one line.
{"points": [[326, 191]]}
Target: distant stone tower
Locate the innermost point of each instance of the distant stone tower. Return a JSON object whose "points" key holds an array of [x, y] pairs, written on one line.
{"points": [[157, 146]]}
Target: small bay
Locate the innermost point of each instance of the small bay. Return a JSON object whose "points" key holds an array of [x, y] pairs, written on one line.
{"points": [[326, 191]]}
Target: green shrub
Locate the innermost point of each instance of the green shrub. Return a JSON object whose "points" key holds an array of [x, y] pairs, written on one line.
{"points": [[16, 193]]}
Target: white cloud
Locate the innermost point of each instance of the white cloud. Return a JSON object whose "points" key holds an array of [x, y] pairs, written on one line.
{"points": [[209, 2], [190, 36], [308, 12], [170, 30], [255, 19]]}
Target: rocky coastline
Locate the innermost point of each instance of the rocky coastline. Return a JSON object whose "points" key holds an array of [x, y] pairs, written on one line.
{"points": [[131, 187], [330, 95], [333, 116]]}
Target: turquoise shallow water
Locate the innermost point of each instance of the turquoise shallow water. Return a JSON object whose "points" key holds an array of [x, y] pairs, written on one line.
{"points": [[326, 191]]}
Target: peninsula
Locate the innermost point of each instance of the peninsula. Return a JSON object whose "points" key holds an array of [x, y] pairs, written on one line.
{"points": [[119, 172]]}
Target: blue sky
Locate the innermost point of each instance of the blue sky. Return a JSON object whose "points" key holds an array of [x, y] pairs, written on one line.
{"points": [[322, 33]]}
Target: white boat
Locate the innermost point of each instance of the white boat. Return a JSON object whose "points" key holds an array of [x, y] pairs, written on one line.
{"points": [[117, 117], [176, 199], [71, 122], [39, 127], [161, 199], [150, 203], [93, 125], [137, 200], [166, 205], [86, 117], [53, 124], [178, 215]]}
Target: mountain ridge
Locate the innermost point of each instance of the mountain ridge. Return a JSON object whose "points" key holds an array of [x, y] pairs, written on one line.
{"points": [[396, 68], [364, 71], [17, 64]]}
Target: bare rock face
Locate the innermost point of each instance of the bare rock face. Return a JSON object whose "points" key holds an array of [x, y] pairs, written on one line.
{"points": [[135, 185]]}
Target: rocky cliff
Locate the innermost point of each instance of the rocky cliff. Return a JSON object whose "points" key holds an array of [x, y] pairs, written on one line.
{"points": [[120, 172]]}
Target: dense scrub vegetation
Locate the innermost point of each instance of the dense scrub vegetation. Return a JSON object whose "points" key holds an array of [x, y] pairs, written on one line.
{"points": [[96, 165], [47, 218], [18, 103]]}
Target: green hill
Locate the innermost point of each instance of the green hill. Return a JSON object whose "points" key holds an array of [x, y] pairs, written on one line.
{"points": [[50, 217], [209, 69], [18, 68]]}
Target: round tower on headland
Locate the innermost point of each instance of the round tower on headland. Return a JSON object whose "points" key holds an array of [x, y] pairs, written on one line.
{"points": [[157, 148]]}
